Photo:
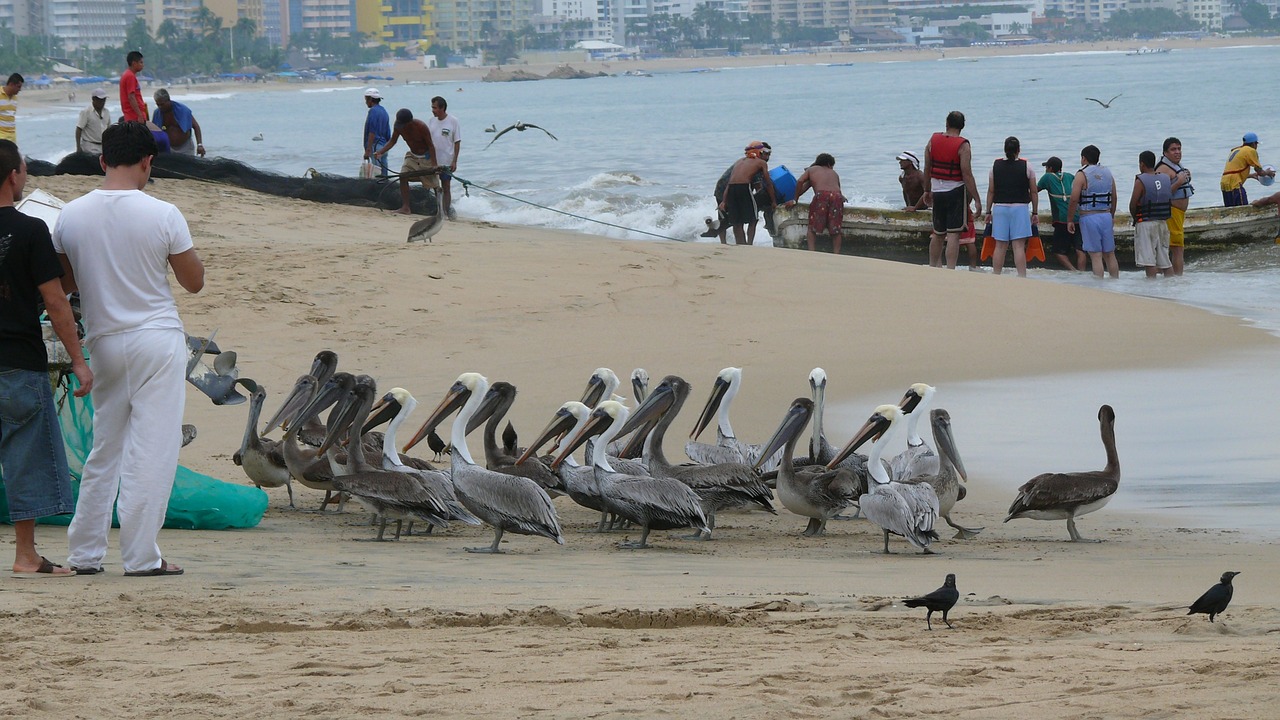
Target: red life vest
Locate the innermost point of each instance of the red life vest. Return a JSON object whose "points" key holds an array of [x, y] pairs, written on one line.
{"points": [[944, 153]]}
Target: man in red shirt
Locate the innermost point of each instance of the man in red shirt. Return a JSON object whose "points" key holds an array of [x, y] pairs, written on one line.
{"points": [[132, 106]]}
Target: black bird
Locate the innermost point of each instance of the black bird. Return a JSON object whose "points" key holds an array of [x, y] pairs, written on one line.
{"points": [[437, 444], [1106, 104], [1216, 599], [945, 597]]}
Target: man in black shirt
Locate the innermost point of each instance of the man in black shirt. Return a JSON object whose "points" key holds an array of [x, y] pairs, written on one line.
{"points": [[33, 461]]}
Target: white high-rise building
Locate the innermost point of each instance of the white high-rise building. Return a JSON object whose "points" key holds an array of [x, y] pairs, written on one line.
{"points": [[89, 24]]}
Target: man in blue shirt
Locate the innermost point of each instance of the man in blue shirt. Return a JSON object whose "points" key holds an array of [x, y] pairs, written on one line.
{"points": [[179, 124], [377, 129]]}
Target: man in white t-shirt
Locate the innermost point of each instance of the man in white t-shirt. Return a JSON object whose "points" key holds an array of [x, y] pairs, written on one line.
{"points": [[116, 245], [446, 136], [93, 120]]}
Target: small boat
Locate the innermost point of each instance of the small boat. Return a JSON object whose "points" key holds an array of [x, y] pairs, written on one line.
{"points": [[1144, 50], [904, 236]]}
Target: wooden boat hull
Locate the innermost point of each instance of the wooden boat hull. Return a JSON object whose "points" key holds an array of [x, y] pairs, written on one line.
{"points": [[904, 236]]}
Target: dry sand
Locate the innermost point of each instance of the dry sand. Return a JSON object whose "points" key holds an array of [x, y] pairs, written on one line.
{"points": [[296, 617]]}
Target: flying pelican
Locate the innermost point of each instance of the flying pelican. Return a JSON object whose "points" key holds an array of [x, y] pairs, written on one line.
{"points": [[906, 509], [811, 491], [262, 460], [1067, 496], [520, 126], [728, 447], [651, 503], [497, 401], [723, 486], [505, 502], [918, 458], [388, 494], [948, 481], [1106, 104]]}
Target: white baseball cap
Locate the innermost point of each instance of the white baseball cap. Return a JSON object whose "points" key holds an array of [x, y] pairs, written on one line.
{"points": [[373, 93], [100, 93]]}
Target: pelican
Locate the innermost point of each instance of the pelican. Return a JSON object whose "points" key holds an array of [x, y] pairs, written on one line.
{"points": [[307, 465], [323, 367], [723, 486], [1067, 496], [262, 460], [640, 384], [651, 503], [497, 401], [821, 451], [505, 502], [389, 494], [519, 126], [397, 405], [257, 138], [906, 509], [918, 458], [728, 447], [812, 491], [948, 481], [1106, 104]]}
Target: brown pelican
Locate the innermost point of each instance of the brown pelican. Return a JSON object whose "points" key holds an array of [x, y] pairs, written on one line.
{"points": [[821, 451], [651, 503], [397, 405], [497, 401], [722, 487], [307, 465], [812, 491], [906, 509], [519, 126], [389, 494], [323, 367], [918, 458], [505, 502], [600, 386], [640, 384], [948, 481], [262, 460], [1067, 496], [728, 447]]}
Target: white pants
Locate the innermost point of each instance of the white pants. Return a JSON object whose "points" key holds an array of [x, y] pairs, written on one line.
{"points": [[138, 399]]}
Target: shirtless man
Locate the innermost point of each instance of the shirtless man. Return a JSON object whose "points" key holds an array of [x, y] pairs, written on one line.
{"points": [[826, 212], [912, 181], [420, 156], [738, 205]]}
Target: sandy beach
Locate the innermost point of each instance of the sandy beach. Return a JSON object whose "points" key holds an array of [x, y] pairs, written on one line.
{"points": [[296, 616]]}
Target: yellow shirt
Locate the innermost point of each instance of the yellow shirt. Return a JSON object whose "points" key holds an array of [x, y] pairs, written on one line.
{"points": [[1242, 159], [8, 117]]}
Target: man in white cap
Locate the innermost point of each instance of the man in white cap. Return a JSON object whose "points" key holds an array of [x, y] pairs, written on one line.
{"points": [[93, 120], [912, 181], [377, 129]]}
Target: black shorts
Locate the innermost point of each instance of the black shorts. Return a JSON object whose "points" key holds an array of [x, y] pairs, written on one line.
{"points": [[1064, 243], [739, 205], [950, 211]]}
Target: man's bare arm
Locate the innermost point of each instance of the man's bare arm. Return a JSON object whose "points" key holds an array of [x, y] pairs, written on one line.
{"points": [[189, 270], [64, 324], [68, 275], [966, 171]]}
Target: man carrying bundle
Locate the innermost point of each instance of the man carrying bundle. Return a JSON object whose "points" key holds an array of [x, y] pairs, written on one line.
{"points": [[419, 160]]}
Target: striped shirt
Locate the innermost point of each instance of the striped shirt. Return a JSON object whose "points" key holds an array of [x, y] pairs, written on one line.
{"points": [[8, 117]]}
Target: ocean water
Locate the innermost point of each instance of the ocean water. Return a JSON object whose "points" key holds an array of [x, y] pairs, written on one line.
{"points": [[1197, 444]]}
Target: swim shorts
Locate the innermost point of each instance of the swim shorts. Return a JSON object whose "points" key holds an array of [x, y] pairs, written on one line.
{"points": [[826, 213], [739, 204], [1177, 219], [1151, 244], [1235, 198], [1011, 222], [413, 163], [949, 210], [1097, 232], [1064, 243]]}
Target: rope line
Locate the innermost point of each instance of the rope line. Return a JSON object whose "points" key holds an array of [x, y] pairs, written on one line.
{"points": [[467, 184]]}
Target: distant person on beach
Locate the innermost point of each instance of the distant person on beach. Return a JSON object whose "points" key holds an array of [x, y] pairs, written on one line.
{"points": [[1065, 245], [1094, 198], [117, 245], [132, 107], [9, 107], [826, 212], [377, 129], [419, 159], [446, 141], [179, 123], [1013, 204], [738, 203], [33, 459], [1149, 205], [1170, 165], [912, 181], [92, 121], [1242, 159], [952, 188]]}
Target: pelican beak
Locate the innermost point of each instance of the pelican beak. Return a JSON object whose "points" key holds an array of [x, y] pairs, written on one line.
{"points": [[487, 407], [794, 423], [297, 399], [386, 408], [871, 430], [453, 400], [331, 392], [594, 391], [654, 406], [944, 437], [718, 391], [339, 423], [910, 400], [596, 424], [560, 424], [640, 387]]}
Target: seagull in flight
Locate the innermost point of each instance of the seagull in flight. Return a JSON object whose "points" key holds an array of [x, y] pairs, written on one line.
{"points": [[521, 126], [1106, 104]]}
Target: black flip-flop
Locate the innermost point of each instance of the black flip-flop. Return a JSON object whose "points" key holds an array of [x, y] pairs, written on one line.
{"points": [[164, 569], [45, 571], [86, 570]]}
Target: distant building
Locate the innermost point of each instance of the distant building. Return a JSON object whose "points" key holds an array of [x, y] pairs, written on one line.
{"points": [[336, 16], [233, 11], [471, 23], [90, 24], [397, 23], [180, 12]]}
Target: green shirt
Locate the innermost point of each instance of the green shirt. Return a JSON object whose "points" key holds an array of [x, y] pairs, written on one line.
{"points": [[1059, 187]]}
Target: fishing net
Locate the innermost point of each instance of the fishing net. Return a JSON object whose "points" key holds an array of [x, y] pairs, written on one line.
{"points": [[316, 186]]}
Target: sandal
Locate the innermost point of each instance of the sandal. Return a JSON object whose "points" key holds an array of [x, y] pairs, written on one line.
{"points": [[46, 570], [164, 569]]}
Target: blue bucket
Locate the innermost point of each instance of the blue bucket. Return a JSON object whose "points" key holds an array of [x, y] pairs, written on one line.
{"points": [[784, 183]]}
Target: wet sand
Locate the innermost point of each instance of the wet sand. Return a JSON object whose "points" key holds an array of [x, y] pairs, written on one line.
{"points": [[297, 616]]}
